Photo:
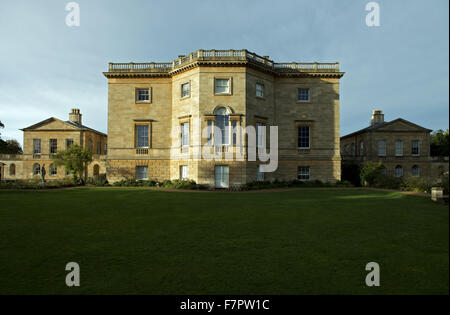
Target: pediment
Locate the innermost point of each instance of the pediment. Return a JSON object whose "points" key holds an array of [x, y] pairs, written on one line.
{"points": [[51, 124]]}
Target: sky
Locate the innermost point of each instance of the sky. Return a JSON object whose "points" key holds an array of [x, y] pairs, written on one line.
{"points": [[400, 67]]}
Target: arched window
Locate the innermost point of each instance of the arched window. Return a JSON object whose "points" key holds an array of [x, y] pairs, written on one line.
{"points": [[398, 171], [222, 124], [96, 170], [36, 169], [12, 170], [415, 170], [53, 170]]}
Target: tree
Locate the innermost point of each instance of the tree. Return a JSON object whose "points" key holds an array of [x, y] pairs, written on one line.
{"points": [[439, 143], [370, 171], [10, 147], [75, 159], [1, 126]]}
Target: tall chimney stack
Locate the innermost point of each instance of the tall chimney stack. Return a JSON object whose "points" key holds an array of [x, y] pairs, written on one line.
{"points": [[75, 116], [377, 117]]}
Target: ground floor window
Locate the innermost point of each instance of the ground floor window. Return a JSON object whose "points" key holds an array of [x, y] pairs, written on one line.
{"points": [[12, 170], [415, 170], [303, 173], [259, 174], [221, 176], [36, 169], [53, 170], [141, 172], [398, 171], [183, 172]]}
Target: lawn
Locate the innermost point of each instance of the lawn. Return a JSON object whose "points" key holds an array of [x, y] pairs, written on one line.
{"points": [[158, 242]]}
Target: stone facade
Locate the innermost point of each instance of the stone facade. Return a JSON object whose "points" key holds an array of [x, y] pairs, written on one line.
{"points": [[188, 91], [399, 136], [54, 130]]}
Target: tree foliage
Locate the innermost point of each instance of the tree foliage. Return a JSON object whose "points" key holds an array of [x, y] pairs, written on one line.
{"points": [[10, 147], [370, 171], [439, 143], [75, 160]]}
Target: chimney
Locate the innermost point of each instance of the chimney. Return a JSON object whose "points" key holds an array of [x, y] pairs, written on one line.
{"points": [[75, 116], [377, 117]]}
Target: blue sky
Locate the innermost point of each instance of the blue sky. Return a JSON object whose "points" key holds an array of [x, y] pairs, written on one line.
{"points": [[401, 67]]}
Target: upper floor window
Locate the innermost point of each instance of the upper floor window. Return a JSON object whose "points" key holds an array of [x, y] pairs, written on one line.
{"points": [[398, 148], [260, 134], [90, 146], [209, 140], [415, 149], [381, 148], [142, 136], [53, 145], [398, 171], [36, 146], [143, 95], [99, 147], [259, 90], [185, 90], [105, 149], [353, 149], [185, 134], [303, 173], [69, 142], [361, 148], [303, 95], [222, 123], [303, 137], [222, 86]]}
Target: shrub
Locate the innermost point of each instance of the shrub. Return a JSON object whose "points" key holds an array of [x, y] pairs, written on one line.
{"points": [[420, 184], [370, 171], [388, 182]]}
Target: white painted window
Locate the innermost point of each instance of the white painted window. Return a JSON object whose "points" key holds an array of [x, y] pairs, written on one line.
{"points": [[221, 176], [36, 146], [260, 135], [303, 137], [142, 95], [398, 171], [381, 147], [303, 95], [141, 172], [398, 148], [222, 122], [222, 86], [415, 147], [185, 90], [415, 171], [185, 134], [259, 174], [184, 172], [303, 173], [53, 145], [142, 136], [259, 90]]}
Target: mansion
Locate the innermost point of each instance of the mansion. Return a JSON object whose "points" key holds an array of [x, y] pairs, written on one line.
{"points": [[164, 118]]}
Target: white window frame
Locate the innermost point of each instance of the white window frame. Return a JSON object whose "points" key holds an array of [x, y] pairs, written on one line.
{"points": [[259, 90], [138, 90], [309, 95], [418, 148], [142, 170], [184, 172], [188, 94], [53, 170], [184, 135], [398, 148], [305, 172], [381, 149], [309, 137], [51, 147], [139, 146], [35, 141], [228, 91]]}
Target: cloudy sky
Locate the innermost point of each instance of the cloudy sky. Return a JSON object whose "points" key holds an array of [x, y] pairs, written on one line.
{"points": [[46, 67]]}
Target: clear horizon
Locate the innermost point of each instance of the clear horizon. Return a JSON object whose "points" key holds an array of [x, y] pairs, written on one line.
{"points": [[400, 67]]}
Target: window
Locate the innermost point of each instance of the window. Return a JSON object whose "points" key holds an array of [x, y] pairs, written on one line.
{"points": [[36, 169], [12, 170], [346, 149], [303, 173], [221, 176], [399, 148], [361, 148], [99, 147], [234, 131], [210, 133], [303, 95], [222, 86], [53, 145], [382, 148], [353, 149], [141, 172], [36, 146], [96, 170], [222, 124], [90, 147], [303, 137], [259, 90], [105, 148], [415, 150], [259, 174], [69, 142], [185, 134], [53, 170], [184, 172], [398, 171], [143, 95], [415, 171], [185, 90], [260, 135], [142, 136]]}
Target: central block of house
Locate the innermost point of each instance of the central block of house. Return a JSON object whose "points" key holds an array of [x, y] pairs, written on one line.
{"points": [[164, 118]]}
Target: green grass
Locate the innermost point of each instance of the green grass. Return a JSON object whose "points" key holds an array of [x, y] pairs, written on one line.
{"points": [[154, 242]]}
